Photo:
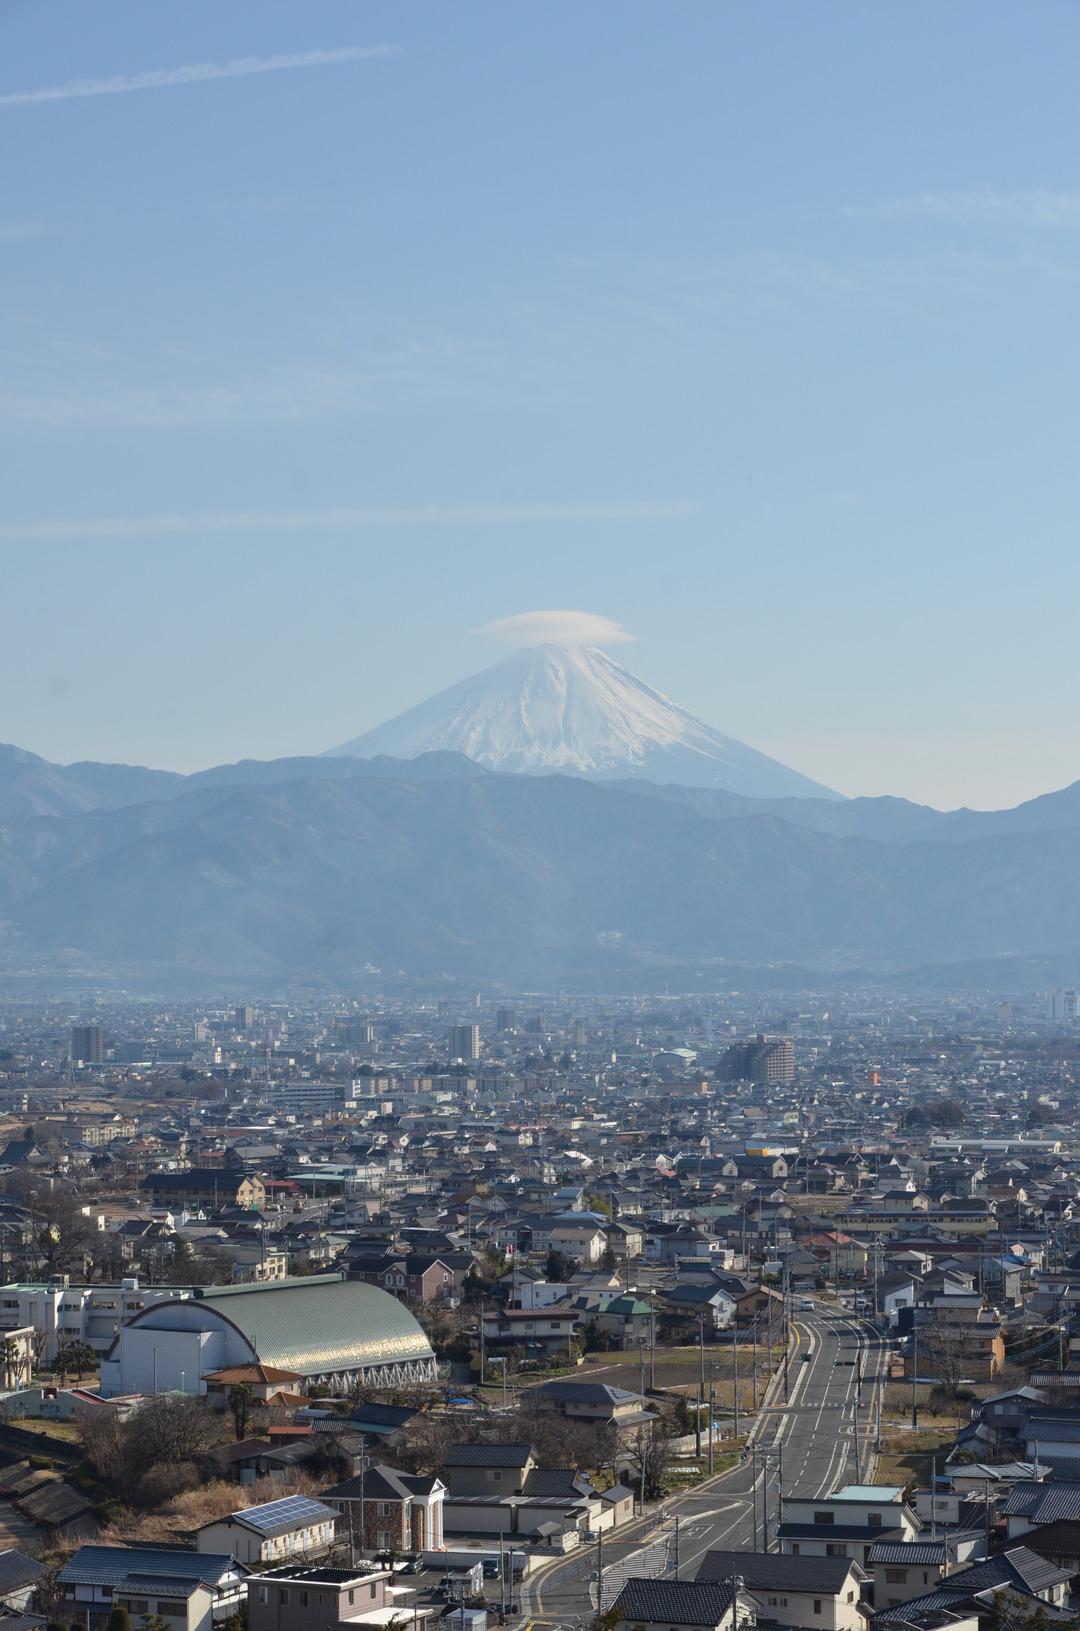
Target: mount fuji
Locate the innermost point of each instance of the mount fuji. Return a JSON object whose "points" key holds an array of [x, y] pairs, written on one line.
{"points": [[573, 709]]}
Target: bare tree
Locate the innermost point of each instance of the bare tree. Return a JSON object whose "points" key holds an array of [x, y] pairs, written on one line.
{"points": [[649, 1456]]}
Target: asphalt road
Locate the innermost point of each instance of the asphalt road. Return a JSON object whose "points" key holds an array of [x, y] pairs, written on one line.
{"points": [[809, 1441]]}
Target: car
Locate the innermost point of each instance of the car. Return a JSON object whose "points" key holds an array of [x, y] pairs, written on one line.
{"points": [[491, 1568], [412, 1565], [806, 1304], [806, 1357]]}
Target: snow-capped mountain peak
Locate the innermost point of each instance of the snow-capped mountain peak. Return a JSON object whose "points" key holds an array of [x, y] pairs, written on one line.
{"points": [[575, 709]]}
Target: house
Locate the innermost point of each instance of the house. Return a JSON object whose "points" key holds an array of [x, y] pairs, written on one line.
{"points": [[1053, 1433], [414, 1277], [708, 1302], [593, 1404], [19, 1577], [548, 1328], [690, 1605], [189, 1589], [1029, 1507], [263, 1383], [487, 1469], [903, 1569], [298, 1599], [1017, 1572], [846, 1524], [273, 1532], [389, 1510], [794, 1591], [205, 1189]]}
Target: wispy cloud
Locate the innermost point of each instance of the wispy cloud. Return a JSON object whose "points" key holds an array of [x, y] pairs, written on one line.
{"points": [[187, 396], [557, 628], [1036, 206], [348, 519], [193, 73]]}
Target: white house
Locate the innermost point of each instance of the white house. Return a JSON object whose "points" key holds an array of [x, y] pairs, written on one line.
{"points": [[275, 1532]]}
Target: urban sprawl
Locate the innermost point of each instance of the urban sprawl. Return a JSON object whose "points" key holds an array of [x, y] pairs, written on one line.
{"points": [[567, 1314]]}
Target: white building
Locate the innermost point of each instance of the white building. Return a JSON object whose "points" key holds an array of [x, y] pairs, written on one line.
{"points": [[68, 1313]]}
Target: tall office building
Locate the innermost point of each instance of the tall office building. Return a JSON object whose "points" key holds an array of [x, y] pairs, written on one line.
{"points": [[1065, 1004], [87, 1045], [505, 1019], [244, 1017], [464, 1041]]}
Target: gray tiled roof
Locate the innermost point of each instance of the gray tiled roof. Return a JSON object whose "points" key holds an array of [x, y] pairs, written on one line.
{"points": [[675, 1602], [1043, 1503], [488, 1455], [933, 1552]]}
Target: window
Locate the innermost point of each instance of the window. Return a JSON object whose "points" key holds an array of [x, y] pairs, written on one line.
{"points": [[795, 1548], [897, 1577], [371, 1589], [284, 1598], [174, 1607], [836, 1548], [303, 1599], [873, 1519], [817, 1605], [382, 1509], [824, 1517]]}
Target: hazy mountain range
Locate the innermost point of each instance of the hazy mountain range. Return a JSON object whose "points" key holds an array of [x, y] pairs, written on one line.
{"points": [[367, 872]]}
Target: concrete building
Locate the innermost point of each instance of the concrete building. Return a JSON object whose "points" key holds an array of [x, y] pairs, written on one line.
{"points": [[67, 1313], [464, 1042], [87, 1045], [296, 1599]]}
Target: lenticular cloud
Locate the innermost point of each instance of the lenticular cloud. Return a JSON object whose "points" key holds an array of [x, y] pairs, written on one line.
{"points": [[557, 629]]}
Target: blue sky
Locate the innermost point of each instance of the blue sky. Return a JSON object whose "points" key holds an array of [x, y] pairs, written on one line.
{"points": [[752, 327]]}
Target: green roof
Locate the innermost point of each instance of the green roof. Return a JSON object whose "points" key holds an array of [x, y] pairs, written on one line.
{"points": [[321, 1323]]}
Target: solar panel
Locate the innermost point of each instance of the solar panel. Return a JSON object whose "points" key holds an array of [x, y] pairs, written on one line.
{"points": [[292, 1511]]}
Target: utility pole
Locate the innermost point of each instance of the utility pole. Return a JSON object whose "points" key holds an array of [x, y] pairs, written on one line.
{"points": [[641, 1356], [755, 1333], [736, 1384], [712, 1411], [753, 1492], [482, 1371], [652, 1348], [701, 1384], [765, 1504], [676, 1545], [786, 1324], [600, 1571], [914, 1370]]}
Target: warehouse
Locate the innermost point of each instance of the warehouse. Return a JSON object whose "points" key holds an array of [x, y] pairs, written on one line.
{"points": [[326, 1329]]}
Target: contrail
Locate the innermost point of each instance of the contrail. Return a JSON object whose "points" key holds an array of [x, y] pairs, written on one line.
{"points": [[194, 73]]}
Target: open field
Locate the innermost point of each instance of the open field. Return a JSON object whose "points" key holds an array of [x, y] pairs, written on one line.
{"points": [[908, 1458]]}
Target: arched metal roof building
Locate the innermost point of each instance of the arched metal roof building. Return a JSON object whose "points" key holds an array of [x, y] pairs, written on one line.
{"points": [[324, 1328]]}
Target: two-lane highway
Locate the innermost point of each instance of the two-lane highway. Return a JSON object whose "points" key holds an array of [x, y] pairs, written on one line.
{"points": [[820, 1438]]}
